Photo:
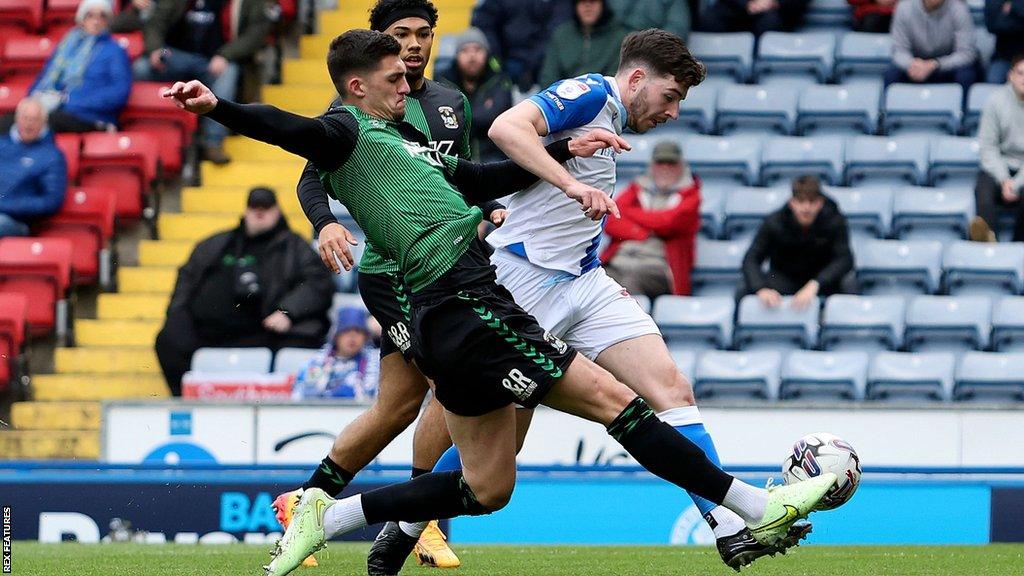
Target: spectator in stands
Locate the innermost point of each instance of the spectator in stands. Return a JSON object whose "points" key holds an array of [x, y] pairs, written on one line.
{"points": [[518, 32], [652, 247], [489, 90], [33, 175], [589, 43], [259, 284], [347, 367], [1001, 139], [872, 15], [807, 245], [671, 15], [133, 15], [208, 41], [1004, 19], [933, 42], [757, 16]]}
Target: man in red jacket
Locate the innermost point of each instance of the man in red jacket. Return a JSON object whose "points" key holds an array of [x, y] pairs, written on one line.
{"points": [[652, 246]]}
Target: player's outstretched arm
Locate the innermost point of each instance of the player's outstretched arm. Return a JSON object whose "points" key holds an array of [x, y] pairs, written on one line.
{"points": [[333, 239]]}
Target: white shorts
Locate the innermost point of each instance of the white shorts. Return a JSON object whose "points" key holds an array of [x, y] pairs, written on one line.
{"points": [[591, 312]]}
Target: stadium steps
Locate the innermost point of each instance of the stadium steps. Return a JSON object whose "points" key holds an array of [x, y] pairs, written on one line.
{"points": [[96, 387], [132, 306], [159, 279], [164, 252], [231, 199], [244, 173], [246, 150], [300, 97], [107, 360], [50, 445], [305, 71], [55, 415], [198, 226], [116, 332]]}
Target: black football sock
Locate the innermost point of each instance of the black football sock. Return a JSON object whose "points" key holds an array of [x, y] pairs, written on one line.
{"points": [[329, 477], [430, 497]]}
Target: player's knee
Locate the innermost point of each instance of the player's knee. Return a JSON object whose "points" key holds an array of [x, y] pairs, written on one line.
{"points": [[495, 495], [682, 389]]}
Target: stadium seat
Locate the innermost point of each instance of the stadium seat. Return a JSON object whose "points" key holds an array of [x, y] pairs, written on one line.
{"points": [[779, 328], [731, 53], [785, 158], [863, 54], [712, 209], [150, 113], [1008, 324], [983, 268], [716, 271], [796, 53], [923, 108], [942, 214], [868, 210], [697, 322], [838, 109], [953, 161], [896, 374], [132, 42], [635, 162], [756, 109], [60, 13], [755, 373], [898, 267], [13, 310], [70, 145], [13, 91], [948, 323], [685, 359], [725, 159], [40, 269], [697, 111], [251, 360], [808, 374], [21, 15], [863, 323], [746, 208], [886, 160], [976, 98], [125, 162], [293, 360], [25, 55], [87, 220], [990, 374], [829, 13]]}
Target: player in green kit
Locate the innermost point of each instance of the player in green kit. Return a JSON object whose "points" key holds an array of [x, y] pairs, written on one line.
{"points": [[482, 351]]}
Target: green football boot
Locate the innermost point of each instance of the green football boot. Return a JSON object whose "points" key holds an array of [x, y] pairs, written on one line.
{"points": [[787, 504], [305, 534]]}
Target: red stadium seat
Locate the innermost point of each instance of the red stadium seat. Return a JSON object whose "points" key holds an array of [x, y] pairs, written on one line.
{"points": [[25, 55], [13, 308], [26, 15], [12, 91], [125, 162], [87, 220], [40, 269], [132, 43], [148, 112], [60, 13], [71, 145]]}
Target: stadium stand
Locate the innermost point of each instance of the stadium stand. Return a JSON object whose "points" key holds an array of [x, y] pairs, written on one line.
{"points": [[731, 53], [838, 109], [756, 109], [13, 312], [948, 323], [898, 267], [696, 323], [932, 214], [779, 328], [745, 209], [824, 375], [868, 210], [919, 376], [255, 360], [929, 108], [865, 323], [87, 220], [786, 158], [983, 268], [953, 161], [1008, 324], [863, 54], [988, 374], [796, 53]]}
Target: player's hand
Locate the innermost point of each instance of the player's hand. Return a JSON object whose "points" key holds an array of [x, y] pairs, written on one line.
{"points": [[334, 240], [769, 298], [806, 295], [595, 203], [598, 139], [278, 322], [193, 96], [498, 217]]}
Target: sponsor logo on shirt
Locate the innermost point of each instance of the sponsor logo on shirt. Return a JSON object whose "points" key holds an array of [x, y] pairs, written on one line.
{"points": [[451, 121], [399, 334], [551, 96], [521, 386], [572, 89]]}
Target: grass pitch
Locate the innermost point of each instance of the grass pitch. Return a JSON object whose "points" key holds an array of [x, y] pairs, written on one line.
{"points": [[350, 559]]}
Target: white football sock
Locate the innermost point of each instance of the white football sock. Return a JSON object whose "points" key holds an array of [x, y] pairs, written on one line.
{"points": [[747, 501], [344, 516], [726, 522], [414, 529]]}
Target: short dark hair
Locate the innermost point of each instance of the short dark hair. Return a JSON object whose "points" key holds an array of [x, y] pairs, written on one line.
{"points": [[664, 53], [383, 9], [358, 50], [806, 187]]}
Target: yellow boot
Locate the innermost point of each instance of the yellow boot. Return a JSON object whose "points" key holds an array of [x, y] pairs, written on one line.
{"points": [[432, 549]]}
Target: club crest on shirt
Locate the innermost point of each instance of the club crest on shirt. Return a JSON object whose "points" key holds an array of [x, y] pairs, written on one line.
{"points": [[572, 89], [451, 121], [556, 342]]}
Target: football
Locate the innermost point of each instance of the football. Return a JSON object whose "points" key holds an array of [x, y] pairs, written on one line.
{"points": [[822, 452]]}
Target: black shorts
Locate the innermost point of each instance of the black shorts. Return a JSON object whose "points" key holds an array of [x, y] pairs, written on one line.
{"points": [[484, 352], [387, 299]]}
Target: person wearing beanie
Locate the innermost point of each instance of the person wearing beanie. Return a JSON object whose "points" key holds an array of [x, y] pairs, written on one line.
{"points": [[86, 81], [590, 43], [347, 366]]}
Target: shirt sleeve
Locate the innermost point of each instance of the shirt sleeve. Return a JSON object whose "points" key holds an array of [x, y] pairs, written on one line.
{"points": [[570, 103]]}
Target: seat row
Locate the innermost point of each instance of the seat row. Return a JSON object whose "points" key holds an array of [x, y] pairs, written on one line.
{"points": [[22, 57]]}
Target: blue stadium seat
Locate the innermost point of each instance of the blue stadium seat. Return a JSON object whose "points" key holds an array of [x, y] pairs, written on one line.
{"points": [[292, 360], [251, 360], [716, 271], [948, 323], [983, 268], [779, 328], [809, 374], [685, 359], [796, 53], [902, 374], [942, 214], [745, 209], [886, 160], [785, 158], [990, 374], [1008, 324], [868, 210], [697, 111], [864, 323], [721, 373], [698, 322], [923, 108], [954, 161], [976, 98], [863, 54], [712, 209], [830, 13], [725, 158], [898, 267], [730, 53], [633, 163], [838, 109], [756, 109]]}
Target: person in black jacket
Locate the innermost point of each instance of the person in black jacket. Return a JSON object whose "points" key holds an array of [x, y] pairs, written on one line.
{"points": [[807, 244], [518, 32], [757, 16], [1004, 19], [259, 284]]}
